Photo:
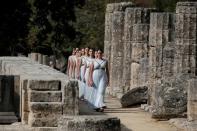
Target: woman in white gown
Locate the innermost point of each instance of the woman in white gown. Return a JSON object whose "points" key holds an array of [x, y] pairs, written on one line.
{"points": [[70, 65], [81, 74], [88, 88], [99, 79]]}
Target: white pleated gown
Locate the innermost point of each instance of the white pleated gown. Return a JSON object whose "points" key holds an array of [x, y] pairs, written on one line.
{"points": [[88, 89], [82, 78], [100, 82], [70, 59]]}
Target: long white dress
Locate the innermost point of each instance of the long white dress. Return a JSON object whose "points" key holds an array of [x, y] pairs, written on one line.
{"points": [[75, 58], [100, 82], [70, 68], [88, 88], [82, 77]]}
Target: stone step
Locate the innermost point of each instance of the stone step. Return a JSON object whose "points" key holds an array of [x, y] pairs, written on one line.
{"points": [[8, 119], [45, 96], [7, 114], [44, 85], [89, 123], [46, 107]]}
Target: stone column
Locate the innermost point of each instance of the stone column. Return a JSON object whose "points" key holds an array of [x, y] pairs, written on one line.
{"points": [[113, 49], [108, 24], [29, 55], [117, 51], [128, 30], [186, 48], [39, 58], [139, 55], [186, 30], [34, 56], [192, 100], [45, 60], [161, 49]]}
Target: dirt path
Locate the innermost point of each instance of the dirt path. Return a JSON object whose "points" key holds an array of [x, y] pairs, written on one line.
{"points": [[132, 119], [135, 119]]}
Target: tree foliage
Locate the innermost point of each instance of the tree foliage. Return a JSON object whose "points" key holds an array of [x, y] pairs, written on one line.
{"points": [[166, 5], [44, 26], [55, 26], [13, 26], [90, 22], [51, 25]]}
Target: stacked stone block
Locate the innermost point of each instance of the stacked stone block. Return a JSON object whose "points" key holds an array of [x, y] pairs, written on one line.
{"points": [[44, 91]]}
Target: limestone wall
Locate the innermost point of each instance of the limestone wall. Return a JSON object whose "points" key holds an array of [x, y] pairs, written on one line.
{"points": [[45, 94]]}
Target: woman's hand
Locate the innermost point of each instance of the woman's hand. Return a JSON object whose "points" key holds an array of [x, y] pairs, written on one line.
{"points": [[78, 77], [90, 82]]}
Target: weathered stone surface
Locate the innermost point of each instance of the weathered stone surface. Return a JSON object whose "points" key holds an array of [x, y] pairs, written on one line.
{"points": [[118, 6], [161, 50], [134, 96], [117, 51], [192, 109], [42, 122], [192, 100], [184, 124], [45, 60], [40, 58], [41, 90], [45, 107], [34, 56], [17, 95], [186, 28], [135, 80], [170, 96], [140, 32], [114, 28], [70, 98], [43, 85], [89, 123], [21, 127], [139, 51], [25, 102], [128, 31], [46, 96], [139, 55]]}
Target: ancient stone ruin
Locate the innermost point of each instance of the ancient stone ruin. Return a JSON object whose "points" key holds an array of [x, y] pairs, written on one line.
{"points": [[40, 94], [157, 50], [38, 98]]}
